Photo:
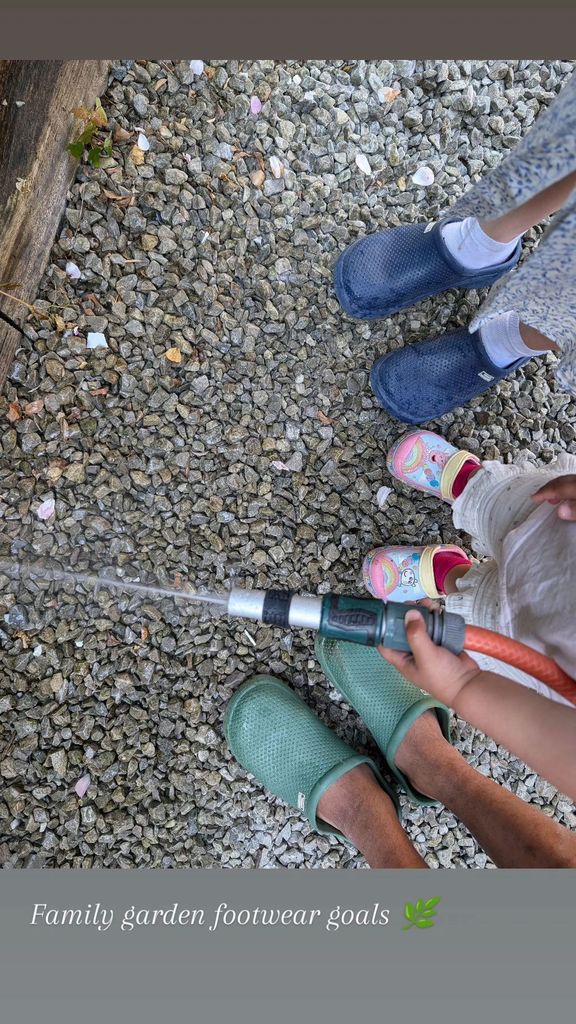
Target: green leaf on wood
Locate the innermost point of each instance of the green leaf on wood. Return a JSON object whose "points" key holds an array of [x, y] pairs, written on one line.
{"points": [[88, 134]]}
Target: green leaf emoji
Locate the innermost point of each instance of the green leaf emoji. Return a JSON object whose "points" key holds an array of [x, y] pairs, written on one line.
{"points": [[420, 914]]}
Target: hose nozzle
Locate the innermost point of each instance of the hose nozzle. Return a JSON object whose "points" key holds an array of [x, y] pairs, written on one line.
{"points": [[359, 620]]}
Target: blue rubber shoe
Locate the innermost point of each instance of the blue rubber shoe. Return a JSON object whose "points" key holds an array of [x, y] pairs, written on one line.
{"points": [[385, 272], [421, 382]]}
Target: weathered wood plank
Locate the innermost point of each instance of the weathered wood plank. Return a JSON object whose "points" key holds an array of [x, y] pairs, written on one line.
{"points": [[36, 125]]}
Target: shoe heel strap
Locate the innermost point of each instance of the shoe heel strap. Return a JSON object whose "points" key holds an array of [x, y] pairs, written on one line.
{"points": [[426, 572], [451, 470]]}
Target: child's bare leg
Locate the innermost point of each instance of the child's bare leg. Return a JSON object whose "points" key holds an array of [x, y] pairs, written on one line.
{"points": [[453, 576], [536, 341], [515, 223], [513, 834], [506, 338]]}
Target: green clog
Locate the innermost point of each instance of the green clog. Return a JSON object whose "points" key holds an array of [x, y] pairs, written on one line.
{"points": [[292, 754], [385, 701]]}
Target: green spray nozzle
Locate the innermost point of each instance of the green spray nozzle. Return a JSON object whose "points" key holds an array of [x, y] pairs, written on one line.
{"points": [[375, 623]]}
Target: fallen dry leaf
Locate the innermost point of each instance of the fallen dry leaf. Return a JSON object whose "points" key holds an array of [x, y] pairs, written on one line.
{"points": [[121, 135], [229, 181], [59, 324], [390, 95], [122, 201], [160, 83], [325, 420], [144, 634], [33, 408], [14, 412], [99, 391], [136, 155], [173, 355]]}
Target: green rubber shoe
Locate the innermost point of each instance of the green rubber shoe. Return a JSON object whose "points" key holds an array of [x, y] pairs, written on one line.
{"points": [[292, 754], [385, 701]]}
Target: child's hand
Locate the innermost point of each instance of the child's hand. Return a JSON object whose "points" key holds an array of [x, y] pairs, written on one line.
{"points": [[561, 492], [430, 667]]}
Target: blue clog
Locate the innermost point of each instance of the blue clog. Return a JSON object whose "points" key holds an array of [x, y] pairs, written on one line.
{"points": [[421, 382], [390, 270]]}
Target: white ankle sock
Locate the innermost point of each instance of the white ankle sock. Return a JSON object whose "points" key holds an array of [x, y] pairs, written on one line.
{"points": [[472, 247], [503, 342]]}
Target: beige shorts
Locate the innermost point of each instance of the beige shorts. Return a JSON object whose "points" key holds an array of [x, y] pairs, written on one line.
{"points": [[494, 503]]}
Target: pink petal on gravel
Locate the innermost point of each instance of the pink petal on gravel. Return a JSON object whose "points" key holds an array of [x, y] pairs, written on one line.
{"points": [[255, 105], [81, 787], [383, 495], [46, 509]]}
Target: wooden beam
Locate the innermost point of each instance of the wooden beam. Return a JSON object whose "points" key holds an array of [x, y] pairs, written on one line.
{"points": [[36, 125]]}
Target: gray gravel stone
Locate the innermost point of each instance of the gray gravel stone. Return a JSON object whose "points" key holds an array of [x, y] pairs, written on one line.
{"points": [[167, 470]]}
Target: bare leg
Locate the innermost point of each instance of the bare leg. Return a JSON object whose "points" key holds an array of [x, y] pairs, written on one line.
{"points": [[451, 577], [508, 227], [513, 834], [536, 341], [358, 806]]}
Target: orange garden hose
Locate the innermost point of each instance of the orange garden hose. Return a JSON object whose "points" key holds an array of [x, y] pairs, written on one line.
{"points": [[483, 641]]}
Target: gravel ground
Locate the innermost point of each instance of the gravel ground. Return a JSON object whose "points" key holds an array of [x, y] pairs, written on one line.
{"points": [[257, 457]]}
